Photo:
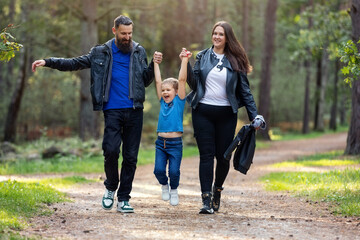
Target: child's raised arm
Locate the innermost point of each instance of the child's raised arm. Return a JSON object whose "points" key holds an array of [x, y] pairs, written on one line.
{"points": [[185, 56], [157, 78]]}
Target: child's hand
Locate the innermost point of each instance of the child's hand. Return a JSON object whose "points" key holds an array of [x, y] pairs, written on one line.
{"points": [[157, 58], [185, 53]]}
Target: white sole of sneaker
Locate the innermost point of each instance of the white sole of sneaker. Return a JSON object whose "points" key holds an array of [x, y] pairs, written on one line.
{"points": [[126, 211]]}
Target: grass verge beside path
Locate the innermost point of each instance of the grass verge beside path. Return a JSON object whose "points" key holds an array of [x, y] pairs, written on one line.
{"points": [[20, 201], [23, 200], [340, 188]]}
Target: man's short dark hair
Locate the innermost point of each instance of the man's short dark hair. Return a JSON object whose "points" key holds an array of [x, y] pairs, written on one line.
{"points": [[122, 20]]}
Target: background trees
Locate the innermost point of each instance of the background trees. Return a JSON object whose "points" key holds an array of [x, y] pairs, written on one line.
{"points": [[304, 66]]}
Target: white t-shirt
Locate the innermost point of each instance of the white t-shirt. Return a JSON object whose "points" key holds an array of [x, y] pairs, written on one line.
{"points": [[215, 86]]}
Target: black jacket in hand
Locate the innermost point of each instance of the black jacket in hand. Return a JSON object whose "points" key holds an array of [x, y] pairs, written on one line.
{"points": [[245, 144], [99, 60]]}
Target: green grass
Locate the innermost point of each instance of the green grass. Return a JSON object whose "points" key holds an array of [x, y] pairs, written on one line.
{"points": [[277, 135], [20, 200], [341, 188], [64, 182], [333, 158], [74, 164]]}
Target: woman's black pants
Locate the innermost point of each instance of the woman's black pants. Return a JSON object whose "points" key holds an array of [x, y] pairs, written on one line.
{"points": [[214, 129]]}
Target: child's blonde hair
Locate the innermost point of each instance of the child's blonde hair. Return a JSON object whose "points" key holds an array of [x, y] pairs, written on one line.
{"points": [[173, 81]]}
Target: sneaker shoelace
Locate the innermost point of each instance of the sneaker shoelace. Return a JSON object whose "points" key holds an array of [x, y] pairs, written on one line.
{"points": [[109, 194]]}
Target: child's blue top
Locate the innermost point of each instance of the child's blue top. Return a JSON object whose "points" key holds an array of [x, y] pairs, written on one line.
{"points": [[171, 115]]}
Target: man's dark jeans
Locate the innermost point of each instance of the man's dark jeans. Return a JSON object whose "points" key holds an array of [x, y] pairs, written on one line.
{"points": [[122, 126]]}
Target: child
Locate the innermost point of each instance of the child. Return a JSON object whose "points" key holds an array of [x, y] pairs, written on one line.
{"points": [[171, 93]]}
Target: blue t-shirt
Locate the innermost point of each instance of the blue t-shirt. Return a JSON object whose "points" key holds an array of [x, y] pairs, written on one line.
{"points": [[119, 89], [171, 115]]}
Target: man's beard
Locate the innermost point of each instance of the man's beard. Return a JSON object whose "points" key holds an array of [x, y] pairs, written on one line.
{"points": [[124, 47]]}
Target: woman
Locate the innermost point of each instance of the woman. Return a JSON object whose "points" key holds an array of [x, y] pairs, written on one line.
{"points": [[219, 88]]}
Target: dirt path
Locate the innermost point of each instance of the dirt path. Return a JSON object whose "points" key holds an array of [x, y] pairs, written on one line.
{"points": [[247, 211]]}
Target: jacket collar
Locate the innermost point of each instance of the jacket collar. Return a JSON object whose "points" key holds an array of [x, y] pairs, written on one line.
{"points": [[225, 60]]}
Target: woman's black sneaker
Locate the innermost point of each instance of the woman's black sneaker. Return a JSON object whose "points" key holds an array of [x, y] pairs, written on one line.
{"points": [[216, 198], [206, 199]]}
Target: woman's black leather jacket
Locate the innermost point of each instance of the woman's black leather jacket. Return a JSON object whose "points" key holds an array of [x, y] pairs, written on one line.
{"points": [[99, 59], [237, 84]]}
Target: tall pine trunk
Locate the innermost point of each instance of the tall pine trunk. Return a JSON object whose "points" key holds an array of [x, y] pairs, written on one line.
{"points": [[319, 115], [15, 102], [317, 90], [307, 65], [266, 61], [353, 139], [334, 108], [89, 120], [306, 116]]}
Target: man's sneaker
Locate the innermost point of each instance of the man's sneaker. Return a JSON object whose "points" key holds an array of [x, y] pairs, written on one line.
{"points": [[216, 198], [124, 207], [174, 197], [207, 208], [108, 200], [165, 192]]}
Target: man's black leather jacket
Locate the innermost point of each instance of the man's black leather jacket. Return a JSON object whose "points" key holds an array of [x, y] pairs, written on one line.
{"points": [[237, 84], [99, 59]]}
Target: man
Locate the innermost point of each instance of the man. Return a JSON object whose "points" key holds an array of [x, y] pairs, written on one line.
{"points": [[119, 75]]}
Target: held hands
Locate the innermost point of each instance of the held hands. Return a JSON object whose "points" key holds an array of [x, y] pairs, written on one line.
{"points": [[37, 63], [185, 54], [157, 58]]}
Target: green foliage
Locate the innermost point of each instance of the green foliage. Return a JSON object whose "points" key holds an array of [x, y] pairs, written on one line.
{"points": [[8, 44], [349, 55], [51, 98], [328, 30], [20, 201]]}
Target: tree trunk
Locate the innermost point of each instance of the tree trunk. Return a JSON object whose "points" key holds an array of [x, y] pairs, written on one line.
{"points": [[15, 103], [175, 35], [319, 117], [14, 106], [200, 19], [343, 108], [245, 39], [89, 120], [267, 57], [10, 65], [317, 92], [306, 117], [353, 139], [334, 108], [307, 65]]}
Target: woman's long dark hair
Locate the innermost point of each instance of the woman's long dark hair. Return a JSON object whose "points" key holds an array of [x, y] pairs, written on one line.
{"points": [[234, 51]]}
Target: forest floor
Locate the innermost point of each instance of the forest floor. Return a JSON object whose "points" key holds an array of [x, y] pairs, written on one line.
{"points": [[247, 210]]}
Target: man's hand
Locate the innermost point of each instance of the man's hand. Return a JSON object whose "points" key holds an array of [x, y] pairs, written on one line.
{"points": [[157, 57], [37, 63]]}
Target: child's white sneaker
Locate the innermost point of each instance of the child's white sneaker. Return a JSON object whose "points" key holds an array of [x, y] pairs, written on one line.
{"points": [[174, 197], [165, 192]]}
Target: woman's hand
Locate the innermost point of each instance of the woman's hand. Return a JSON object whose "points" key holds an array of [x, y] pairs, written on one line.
{"points": [[185, 53]]}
